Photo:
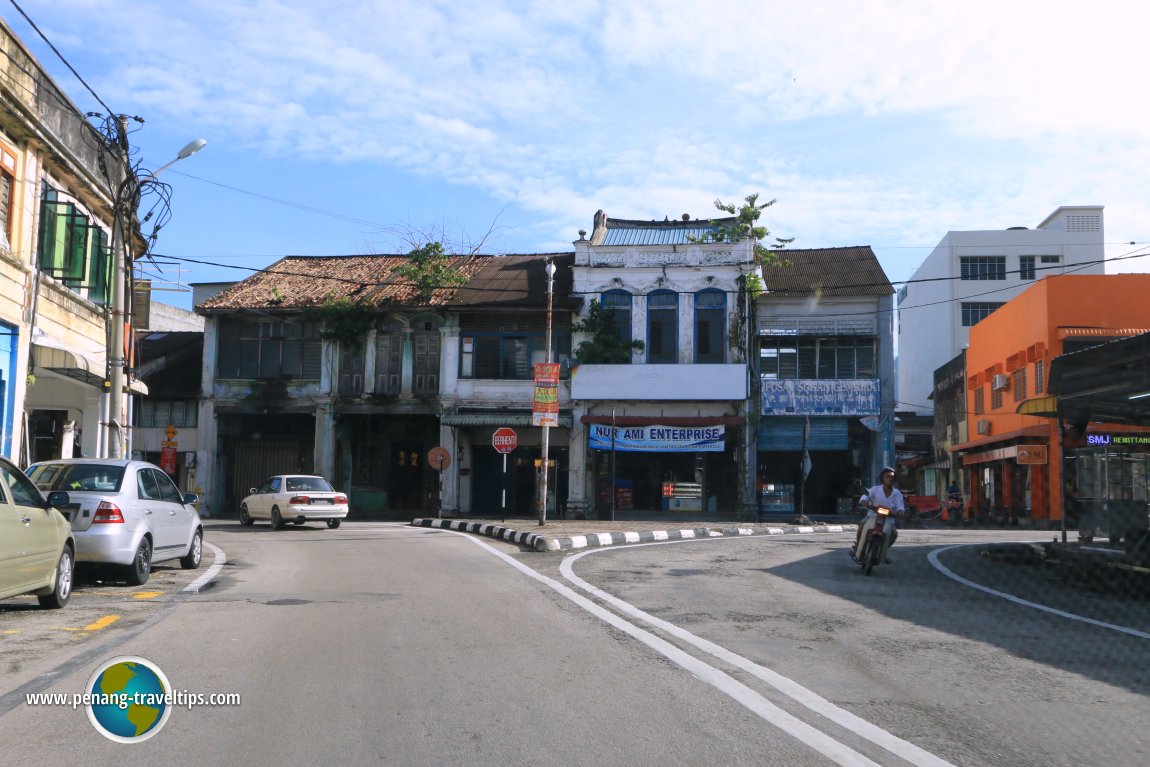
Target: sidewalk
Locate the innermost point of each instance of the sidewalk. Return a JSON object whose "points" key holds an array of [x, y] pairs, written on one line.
{"points": [[563, 534]]}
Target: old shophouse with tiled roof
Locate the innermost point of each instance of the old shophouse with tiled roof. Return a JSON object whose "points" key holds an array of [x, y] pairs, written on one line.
{"points": [[678, 423], [284, 392]]}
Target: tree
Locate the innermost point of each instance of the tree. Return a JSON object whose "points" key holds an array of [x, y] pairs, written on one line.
{"points": [[605, 346], [429, 267]]}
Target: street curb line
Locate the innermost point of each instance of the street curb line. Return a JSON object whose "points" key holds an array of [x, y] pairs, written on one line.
{"points": [[541, 543], [492, 531]]}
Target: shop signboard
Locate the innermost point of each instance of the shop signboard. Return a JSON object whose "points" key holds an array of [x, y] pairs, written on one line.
{"points": [[857, 397], [657, 438]]}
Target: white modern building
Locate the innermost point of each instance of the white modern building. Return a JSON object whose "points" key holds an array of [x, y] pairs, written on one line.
{"points": [[970, 274]]}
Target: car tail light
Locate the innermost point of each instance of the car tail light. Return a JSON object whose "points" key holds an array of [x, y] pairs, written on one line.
{"points": [[339, 499], [299, 500], [107, 513]]}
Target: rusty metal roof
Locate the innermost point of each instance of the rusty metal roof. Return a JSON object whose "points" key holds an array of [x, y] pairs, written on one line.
{"points": [[299, 282], [849, 271]]}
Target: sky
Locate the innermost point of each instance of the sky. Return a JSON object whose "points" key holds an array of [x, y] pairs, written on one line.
{"points": [[348, 127]]}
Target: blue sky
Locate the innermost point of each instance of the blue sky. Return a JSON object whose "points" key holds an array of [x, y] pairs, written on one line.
{"points": [[356, 126]]}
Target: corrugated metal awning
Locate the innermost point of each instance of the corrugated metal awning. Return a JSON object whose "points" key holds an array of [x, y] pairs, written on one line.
{"points": [[497, 419]]}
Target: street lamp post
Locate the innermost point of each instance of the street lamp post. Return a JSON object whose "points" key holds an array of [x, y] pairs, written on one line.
{"points": [[127, 196], [546, 425]]}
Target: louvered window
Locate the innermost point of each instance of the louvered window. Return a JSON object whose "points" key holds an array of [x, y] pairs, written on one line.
{"points": [[269, 350], [388, 362], [425, 364]]}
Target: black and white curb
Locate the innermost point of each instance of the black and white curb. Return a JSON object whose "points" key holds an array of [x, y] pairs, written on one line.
{"points": [[492, 531], [541, 543]]}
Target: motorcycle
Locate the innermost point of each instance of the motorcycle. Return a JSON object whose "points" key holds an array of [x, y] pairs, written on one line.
{"points": [[878, 526]]}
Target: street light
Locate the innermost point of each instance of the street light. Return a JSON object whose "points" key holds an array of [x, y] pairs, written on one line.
{"points": [[127, 197], [550, 268]]}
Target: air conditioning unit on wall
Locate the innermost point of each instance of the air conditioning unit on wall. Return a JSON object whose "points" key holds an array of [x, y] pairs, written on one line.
{"points": [[1001, 381], [984, 426]]}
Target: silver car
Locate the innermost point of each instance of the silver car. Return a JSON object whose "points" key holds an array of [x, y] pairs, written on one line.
{"points": [[125, 513], [295, 498]]}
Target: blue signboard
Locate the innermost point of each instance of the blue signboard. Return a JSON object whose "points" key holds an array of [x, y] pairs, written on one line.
{"points": [[851, 397], [658, 439]]}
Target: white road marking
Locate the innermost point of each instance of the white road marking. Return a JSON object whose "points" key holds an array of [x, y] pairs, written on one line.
{"points": [[833, 749], [933, 557], [792, 689], [220, 559]]}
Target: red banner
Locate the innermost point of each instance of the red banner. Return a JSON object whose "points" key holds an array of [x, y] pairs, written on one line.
{"points": [[545, 407]]}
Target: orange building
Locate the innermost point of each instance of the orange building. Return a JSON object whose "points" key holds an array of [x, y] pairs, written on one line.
{"points": [[1014, 464]]}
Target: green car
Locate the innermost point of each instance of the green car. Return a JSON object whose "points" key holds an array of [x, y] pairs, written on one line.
{"points": [[37, 553]]}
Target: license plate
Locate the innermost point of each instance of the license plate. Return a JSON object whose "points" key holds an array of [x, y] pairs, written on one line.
{"points": [[314, 501]]}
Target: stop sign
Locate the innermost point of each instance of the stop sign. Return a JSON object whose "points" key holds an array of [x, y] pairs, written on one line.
{"points": [[504, 439]]}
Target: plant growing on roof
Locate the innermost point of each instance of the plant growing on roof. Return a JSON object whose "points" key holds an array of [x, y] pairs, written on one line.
{"points": [[747, 224], [429, 267], [342, 319], [605, 346]]}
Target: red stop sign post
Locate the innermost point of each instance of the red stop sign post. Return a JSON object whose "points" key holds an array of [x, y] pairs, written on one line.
{"points": [[504, 440]]}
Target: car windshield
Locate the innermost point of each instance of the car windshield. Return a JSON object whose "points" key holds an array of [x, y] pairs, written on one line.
{"points": [[312, 484], [73, 477]]}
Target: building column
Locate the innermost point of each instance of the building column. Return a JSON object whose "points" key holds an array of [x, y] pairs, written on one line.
{"points": [[325, 439], [449, 477], [578, 480]]}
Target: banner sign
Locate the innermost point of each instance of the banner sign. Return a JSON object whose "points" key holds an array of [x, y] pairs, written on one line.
{"points": [[820, 397], [657, 439], [545, 407]]}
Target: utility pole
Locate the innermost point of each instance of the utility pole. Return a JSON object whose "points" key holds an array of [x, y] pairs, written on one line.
{"points": [[121, 273]]}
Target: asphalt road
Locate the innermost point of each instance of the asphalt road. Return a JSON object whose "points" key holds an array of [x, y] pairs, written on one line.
{"points": [[387, 644]]}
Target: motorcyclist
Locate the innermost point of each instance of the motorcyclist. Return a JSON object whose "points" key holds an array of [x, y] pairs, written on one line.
{"points": [[882, 494]]}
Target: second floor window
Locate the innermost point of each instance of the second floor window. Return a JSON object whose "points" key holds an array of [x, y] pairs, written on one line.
{"points": [[983, 267], [269, 350], [72, 248], [1018, 385], [974, 312], [508, 355], [619, 302], [1026, 267], [843, 357], [662, 327], [1039, 376], [710, 326]]}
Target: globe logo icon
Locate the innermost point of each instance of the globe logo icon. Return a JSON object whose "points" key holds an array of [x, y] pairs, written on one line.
{"points": [[129, 699]]}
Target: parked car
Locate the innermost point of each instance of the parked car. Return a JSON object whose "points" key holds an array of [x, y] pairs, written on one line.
{"points": [[296, 498], [37, 549], [125, 513]]}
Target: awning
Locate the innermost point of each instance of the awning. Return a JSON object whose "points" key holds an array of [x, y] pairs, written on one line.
{"points": [[496, 419], [49, 355], [1044, 406], [938, 465]]}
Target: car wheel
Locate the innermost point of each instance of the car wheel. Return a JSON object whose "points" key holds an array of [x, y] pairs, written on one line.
{"points": [[333, 523], [245, 518], [191, 560], [141, 566], [65, 574], [277, 520]]}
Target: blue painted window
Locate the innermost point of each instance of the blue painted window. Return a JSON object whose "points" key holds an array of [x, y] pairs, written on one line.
{"points": [[662, 327], [710, 326]]}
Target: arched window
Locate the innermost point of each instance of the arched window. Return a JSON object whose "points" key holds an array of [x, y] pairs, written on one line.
{"points": [[710, 326], [619, 303], [662, 327]]}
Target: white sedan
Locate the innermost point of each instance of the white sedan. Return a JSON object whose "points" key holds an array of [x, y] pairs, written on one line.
{"points": [[295, 498]]}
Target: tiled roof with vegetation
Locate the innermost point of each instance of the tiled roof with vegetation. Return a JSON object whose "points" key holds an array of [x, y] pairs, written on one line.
{"points": [[299, 282]]}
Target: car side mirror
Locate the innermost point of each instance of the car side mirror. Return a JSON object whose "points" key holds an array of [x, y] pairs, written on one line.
{"points": [[191, 498], [58, 499]]}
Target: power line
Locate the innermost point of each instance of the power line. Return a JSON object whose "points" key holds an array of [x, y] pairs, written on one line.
{"points": [[61, 57]]}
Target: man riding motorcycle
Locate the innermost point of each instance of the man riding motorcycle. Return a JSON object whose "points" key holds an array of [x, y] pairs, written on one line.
{"points": [[883, 494]]}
